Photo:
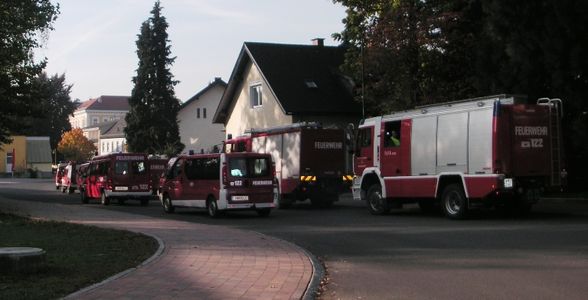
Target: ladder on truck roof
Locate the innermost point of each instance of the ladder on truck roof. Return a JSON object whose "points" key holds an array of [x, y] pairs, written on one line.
{"points": [[306, 125], [555, 114]]}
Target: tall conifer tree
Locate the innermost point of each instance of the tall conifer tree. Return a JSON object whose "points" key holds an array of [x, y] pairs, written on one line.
{"points": [[152, 125]]}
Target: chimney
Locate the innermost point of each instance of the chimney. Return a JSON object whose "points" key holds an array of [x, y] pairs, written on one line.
{"points": [[319, 42]]}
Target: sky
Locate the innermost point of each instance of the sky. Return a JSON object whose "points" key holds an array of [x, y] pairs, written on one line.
{"points": [[93, 41]]}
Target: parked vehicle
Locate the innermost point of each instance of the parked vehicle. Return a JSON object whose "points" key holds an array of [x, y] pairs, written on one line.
{"points": [[68, 179], [220, 182], [311, 161], [492, 151], [119, 176], [156, 170], [59, 175], [82, 173]]}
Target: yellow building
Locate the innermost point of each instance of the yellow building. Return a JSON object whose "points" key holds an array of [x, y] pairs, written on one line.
{"points": [[26, 153], [13, 155]]}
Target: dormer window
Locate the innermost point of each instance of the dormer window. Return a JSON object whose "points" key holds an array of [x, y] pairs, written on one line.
{"points": [[255, 95]]}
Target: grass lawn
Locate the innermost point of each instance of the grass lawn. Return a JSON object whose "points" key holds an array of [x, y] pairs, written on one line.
{"points": [[77, 256]]}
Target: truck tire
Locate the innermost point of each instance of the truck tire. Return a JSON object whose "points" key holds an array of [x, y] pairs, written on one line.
{"points": [[83, 196], [377, 205], [212, 208], [454, 202], [103, 199], [168, 207]]}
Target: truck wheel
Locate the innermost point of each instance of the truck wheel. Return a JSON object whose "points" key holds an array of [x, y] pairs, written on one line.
{"points": [[455, 204], [83, 196], [376, 204], [264, 212], [103, 199], [212, 207], [71, 190], [167, 205]]}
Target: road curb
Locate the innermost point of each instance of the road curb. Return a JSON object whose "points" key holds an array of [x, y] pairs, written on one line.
{"points": [[318, 272], [124, 273]]}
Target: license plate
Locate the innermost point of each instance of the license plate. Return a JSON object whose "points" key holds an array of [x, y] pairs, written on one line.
{"points": [[121, 188], [240, 198]]}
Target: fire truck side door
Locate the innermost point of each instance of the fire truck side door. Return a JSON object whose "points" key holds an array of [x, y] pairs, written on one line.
{"points": [[174, 180], [391, 154], [364, 154]]}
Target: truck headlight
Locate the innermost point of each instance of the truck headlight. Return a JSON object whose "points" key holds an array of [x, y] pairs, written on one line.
{"points": [[508, 183]]}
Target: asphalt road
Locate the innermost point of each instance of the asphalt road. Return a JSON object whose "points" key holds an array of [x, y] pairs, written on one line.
{"points": [[408, 254]]}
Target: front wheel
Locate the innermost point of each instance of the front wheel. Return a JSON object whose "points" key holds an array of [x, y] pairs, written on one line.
{"points": [[212, 207], [104, 199], [167, 205], [377, 205], [83, 196], [455, 204]]}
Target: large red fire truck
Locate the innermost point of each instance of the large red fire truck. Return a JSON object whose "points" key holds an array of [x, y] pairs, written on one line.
{"points": [[490, 151], [310, 160]]}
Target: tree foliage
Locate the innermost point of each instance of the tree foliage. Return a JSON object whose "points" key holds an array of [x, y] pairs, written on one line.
{"points": [[410, 52], [152, 125], [75, 146], [51, 95], [22, 23]]}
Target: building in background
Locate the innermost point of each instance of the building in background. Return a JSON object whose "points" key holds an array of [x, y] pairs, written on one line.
{"points": [[100, 110], [26, 155], [197, 131], [281, 84], [112, 139]]}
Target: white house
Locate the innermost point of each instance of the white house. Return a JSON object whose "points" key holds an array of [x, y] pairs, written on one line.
{"points": [[281, 84], [195, 117], [100, 110], [112, 138]]}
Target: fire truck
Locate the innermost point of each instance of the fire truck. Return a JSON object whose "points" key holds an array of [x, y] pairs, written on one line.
{"points": [[495, 151], [310, 160]]}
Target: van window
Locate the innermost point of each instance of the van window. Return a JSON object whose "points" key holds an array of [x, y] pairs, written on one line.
{"points": [[202, 169], [121, 168], [249, 167], [138, 167]]}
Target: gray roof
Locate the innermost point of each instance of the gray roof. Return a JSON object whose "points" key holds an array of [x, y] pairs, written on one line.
{"points": [[38, 149]]}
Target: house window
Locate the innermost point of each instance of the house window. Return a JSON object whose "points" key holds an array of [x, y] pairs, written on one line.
{"points": [[255, 95], [94, 121], [105, 120], [204, 113], [198, 113]]}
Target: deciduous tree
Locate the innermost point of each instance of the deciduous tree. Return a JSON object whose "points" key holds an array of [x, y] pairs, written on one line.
{"points": [[75, 146], [22, 22]]}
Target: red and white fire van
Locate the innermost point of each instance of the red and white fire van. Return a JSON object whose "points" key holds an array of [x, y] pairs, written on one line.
{"points": [[311, 161], [59, 175], [118, 176], [490, 151], [68, 179], [220, 182]]}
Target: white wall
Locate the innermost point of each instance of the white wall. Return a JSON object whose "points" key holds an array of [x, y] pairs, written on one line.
{"points": [[242, 116], [200, 133], [83, 118], [113, 145]]}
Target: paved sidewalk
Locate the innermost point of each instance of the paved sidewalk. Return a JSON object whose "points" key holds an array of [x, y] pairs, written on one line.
{"points": [[197, 261]]}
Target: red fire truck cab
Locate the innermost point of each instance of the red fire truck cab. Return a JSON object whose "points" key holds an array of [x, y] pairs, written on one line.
{"points": [[490, 151], [118, 176], [220, 182]]}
